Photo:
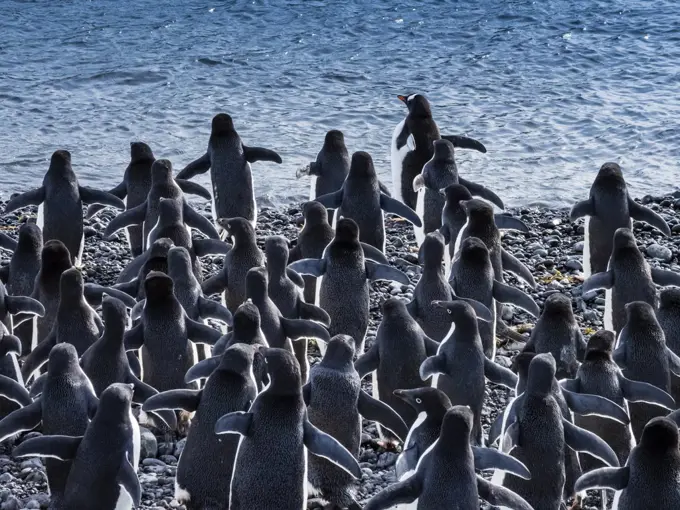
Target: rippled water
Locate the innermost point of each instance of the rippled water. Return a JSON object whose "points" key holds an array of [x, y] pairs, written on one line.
{"points": [[553, 88]]}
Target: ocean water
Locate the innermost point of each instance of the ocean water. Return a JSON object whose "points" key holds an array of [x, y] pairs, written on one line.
{"points": [[553, 88]]}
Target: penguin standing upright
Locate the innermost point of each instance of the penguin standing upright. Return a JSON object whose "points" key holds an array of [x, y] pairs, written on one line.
{"points": [[408, 162], [60, 204], [10, 350], [668, 316], [331, 167], [229, 162]]}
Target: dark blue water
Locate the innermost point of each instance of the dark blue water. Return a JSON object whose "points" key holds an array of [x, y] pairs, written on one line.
{"points": [[554, 88]]}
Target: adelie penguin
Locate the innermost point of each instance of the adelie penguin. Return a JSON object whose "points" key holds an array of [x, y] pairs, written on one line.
{"points": [[206, 464], [60, 204], [64, 408], [343, 275], [336, 404], [668, 316], [408, 162], [628, 278], [609, 208], [10, 374], [445, 475], [271, 461], [439, 173], [228, 160], [13, 305], [104, 460], [361, 200]]}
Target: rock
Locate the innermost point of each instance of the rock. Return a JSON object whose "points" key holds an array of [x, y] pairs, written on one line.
{"points": [[148, 444], [659, 252]]}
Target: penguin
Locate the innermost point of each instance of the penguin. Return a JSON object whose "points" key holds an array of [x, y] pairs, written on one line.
{"points": [[156, 259], [243, 256], [230, 173], [437, 174], [599, 375], [10, 374], [331, 167], [395, 356], [64, 408], [271, 461], [459, 368], [608, 209], [473, 277], [557, 332], [279, 331], [103, 472], [642, 354], [105, 362], [628, 278], [536, 433], [206, 464], [19, 275], [164, 335], [431, 405], [668, 316], [335, 404], [60, 204], [146, 214], [445, 475], [650, 477], [361, 200], [454, 216], [408, 162], [14, 305], [343, 287]]}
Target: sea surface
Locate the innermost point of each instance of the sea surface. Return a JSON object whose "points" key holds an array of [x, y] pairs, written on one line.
{"points": [[553, 88]]}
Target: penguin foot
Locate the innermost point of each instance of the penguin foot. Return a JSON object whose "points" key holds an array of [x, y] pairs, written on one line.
{"points": [[388, 444], [576, 505]]}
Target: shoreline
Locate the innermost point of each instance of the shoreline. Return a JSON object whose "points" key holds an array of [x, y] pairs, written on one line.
{"points": [[551, 250]]}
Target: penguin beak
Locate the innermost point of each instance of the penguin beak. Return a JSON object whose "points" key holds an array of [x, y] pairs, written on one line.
{"points": [[403, 99], [442, 192], [440, 304], [464, 205]]}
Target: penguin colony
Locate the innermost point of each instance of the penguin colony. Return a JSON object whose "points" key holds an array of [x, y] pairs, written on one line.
{"points": [[265, 431]]}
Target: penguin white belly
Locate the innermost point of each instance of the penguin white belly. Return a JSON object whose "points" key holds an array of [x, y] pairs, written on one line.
{"points": [[17, 370], [397, 158], [586, 248], [608, 310], [617, 496], [79, 258], [304, 482], [419, 232], [34, 332], [493, 330], [312, 187], [151, 233], [41, 216], [136, 442], [419, 421], [252, 191], [319, 281], [124, 499], [182, 495], [375, 391], [459, 239]]}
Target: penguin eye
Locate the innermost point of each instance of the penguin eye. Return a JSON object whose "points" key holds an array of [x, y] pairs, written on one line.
{"points": [[448, 311], [419, 401]]}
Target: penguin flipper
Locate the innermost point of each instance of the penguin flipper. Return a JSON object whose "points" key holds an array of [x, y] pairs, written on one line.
{"points": [[401, 493], [375, 410], [188, 400], [392, 206], [237, 422], [368, 361], [418, 183], [198, 166], [499, 496], [199, 333], [199, 222], [203, 247], [22, 420], [638, 391], [465, 142], [295, 278], [582, 440], [7, 243], [94, 295], [137, 310], [496, 428], [131, 288], [95, 196], [216, 284], [375, 271], [331, 200], [587, 405], [485, 193], [193, 188], [313, 313], [431, 346], [38, 356], [23, 304], [407, 460], [4, 274], [134, 216], [12, 390], [253, 154], [641, 213], [38, 385], [513, 265], [498, 374], [604, 478], [490, 458], [481, 310], [373, 253], [134, 338], [312, 267], [322, 445], [432, 366], [209, 309], [54, 447], [581, 209], [33, 197], [673, 362], [507, 294], [506, 222], [665, 278], [143, 392], [572, 385], [128, 480], [131, 271], [202, 369], [297, 329], [384, 189], [119, 191]]}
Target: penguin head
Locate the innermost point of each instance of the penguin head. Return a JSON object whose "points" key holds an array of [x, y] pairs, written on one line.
{"points": [[222, 124], [161, 171], [30, 238], [559, 305], [314, 213], [425, 400], [541, 375], [600, 345], [660, 434], [55, 258], [669, 298], [624, 239], [114, 402], [454, 193], [9, 344], [394, 307], [640, 315], [520, 365], [238, 229], [179, 261], [158, 286], [443, 150], [457, 425], [257, 282], [276, 251], [71, 284], [60, 161], [246, 320], [238, 359], [114, 315], [139, 151], [611, 176], [283, 370], [347, 231], [478, 210], [339, 352], [464, 311], [362, 166], [473, 249], [62, 358], [170, 211], [334, 140], [161, 247], [417, 104], [431, 253]]}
